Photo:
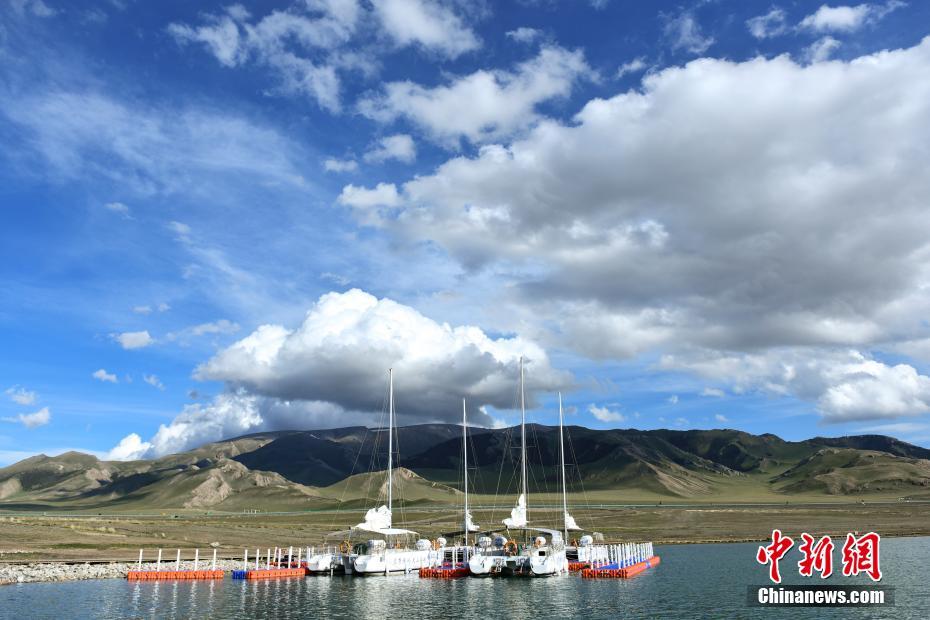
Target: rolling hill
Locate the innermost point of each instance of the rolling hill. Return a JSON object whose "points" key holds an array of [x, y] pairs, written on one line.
{"points": [[299, 470]]}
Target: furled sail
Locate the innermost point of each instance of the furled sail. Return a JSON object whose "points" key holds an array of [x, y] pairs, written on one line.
{"points": [[376, 519], [570, 522], [518, 514], [472, 526]]}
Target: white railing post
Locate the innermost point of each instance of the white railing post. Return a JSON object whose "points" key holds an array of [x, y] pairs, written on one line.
{"points": [[140, 559], [158, 563]]}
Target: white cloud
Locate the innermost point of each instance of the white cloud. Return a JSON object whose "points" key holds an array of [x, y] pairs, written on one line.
{"points": [[340, 165], [332, 371], [369, 203], [634, 66], [524, 34], [130, 448], [713, 392], [222, 326], [163, 307], [154, 381], [847, 18], [37, 8], [866, 389], [142, 309], [673, 399], [119, 208], [399, 146], [103, 375], [604, 414], [341, 352], [719, 417], [845, 385], [149, 149], [821, 49], [684, 33], [293, 43], [428, 23], [21, 395], [770, 25], [483, 105], [134, 340], [582, 221], [181, 230], [32, 420]]}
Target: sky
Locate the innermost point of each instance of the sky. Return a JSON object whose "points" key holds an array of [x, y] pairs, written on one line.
{"points": [[218, 219]]}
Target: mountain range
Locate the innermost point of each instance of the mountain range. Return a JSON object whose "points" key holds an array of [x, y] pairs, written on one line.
{"points": [[300, 470]]}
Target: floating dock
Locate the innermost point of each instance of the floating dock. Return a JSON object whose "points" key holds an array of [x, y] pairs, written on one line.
{"points": [[446, 571], [269, 573], [613, 571], [165, 575]]}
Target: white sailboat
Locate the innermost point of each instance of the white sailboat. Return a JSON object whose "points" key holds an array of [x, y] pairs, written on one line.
{"points": [[543, 557], [388, 552]]}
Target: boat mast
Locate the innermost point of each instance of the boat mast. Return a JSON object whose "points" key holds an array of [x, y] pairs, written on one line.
{"points": [[562, 460], [523, 443], [390, 438], [465, 470]]}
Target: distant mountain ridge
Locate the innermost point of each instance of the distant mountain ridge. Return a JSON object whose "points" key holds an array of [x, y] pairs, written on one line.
{"points": [[299, 469]]}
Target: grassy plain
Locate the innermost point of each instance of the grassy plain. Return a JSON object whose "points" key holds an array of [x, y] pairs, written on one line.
{"points": [[88, 535]]}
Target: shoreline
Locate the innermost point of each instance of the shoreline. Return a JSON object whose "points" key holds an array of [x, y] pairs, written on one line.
{"points": [[13, 572]]}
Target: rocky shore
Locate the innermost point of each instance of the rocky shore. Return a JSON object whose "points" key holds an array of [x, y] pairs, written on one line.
{"points": [[57, 571]]}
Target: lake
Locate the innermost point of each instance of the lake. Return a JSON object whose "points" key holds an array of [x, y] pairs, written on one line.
{"points": [[693, 581]]}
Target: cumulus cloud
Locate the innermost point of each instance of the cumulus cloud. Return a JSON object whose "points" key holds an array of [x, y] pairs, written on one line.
{"points": [[332, 371], [684, 33], [134, 340], [769, 25], [634, 66], [719, 417], [523, 34], [673, 399], [399, 147], [340, 165], [20, 395], [628, 226], [342, 350], [483, 105], [821, 49], [103, 375], [713, 392], [847, 18], [32, 420], [368, 205], [845, 385], [428, 23], [604, 414]]}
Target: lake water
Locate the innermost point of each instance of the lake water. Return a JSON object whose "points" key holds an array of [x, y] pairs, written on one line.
{"points": [[693, 581]]}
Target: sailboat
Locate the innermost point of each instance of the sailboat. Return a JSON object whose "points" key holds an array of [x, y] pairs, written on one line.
{"points": [[388, 553], [387, 550], [543, 557]]}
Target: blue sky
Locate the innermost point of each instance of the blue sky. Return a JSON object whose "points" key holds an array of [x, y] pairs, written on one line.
{"points": [[685, 215]]}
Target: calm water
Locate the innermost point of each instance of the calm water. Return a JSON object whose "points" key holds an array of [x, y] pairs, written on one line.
{"points": [[693, 581]]}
